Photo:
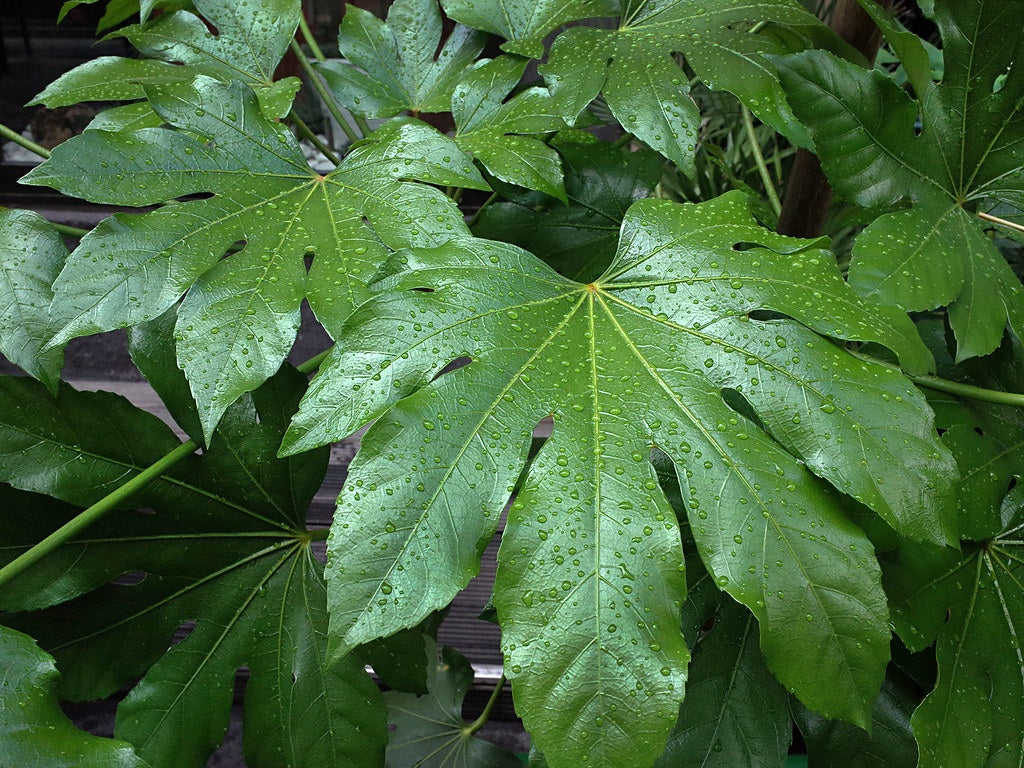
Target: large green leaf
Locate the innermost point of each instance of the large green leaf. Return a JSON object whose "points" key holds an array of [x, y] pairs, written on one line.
{"points": [[645, 88], [428, 731], [577, 238], [969, 155], [227, 547], [240, 315], [250, 40], [34, 733], [524, 23], [589, 579], [31, 255], [395, 65]]}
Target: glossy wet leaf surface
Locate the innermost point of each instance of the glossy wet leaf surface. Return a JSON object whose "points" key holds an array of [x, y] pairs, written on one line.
{"points": [[33, 729], [646, 89], [221, 541], [590, 568], [395, 65], [967, 154], [241, 313]]}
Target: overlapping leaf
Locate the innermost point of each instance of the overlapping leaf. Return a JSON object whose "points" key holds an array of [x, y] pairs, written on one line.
{"points": [[428, 731], [968, 155], [395, 65], [577, 238], [645, 88], [31, 255], [227, 547], [590, 574], [491, 129], [250, 40], [33, 730], [241, 313], [524, 23]]}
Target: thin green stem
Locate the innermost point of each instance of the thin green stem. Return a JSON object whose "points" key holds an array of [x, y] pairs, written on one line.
{"points": [[312, 138], [318, 534], [970, 391], [762, 167], [67, 231], [1001, 222], [362, 125], [481, 721], [21, 141], [476, 216], [119, 495], [623, 140], [307, 36], [90, 515], [318, 86]]}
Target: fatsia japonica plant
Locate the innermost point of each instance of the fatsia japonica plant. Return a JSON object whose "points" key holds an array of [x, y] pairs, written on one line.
{"points": [[747, 485]]}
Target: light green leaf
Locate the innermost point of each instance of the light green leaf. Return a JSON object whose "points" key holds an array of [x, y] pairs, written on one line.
{"points": [[428, 731], [240, 314], [127, 117], [967, 155], [524, 23], [250, 42], [579, 238], [34, 733], [391, 66], [639, 358], [647, 91], [31, 255], [490, 128], [227, 547]]}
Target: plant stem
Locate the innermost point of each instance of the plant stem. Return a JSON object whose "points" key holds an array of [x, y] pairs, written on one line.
{"points": [[318, 86], [1001, 222], [312, 138], [67, 231], [970, 391], [91, 514], [762, 167], [119, 495], [21, 141], [623, 140], [362, 125], [481, 721], [476, 216], [318, 534], [307, 36]]}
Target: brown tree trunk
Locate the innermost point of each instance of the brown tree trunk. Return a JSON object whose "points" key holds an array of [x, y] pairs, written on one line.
{"points": [[808, 194]]}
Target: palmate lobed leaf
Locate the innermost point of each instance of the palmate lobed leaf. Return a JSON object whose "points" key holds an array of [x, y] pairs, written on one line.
{"points": [[227, 547], [645, 88], [241, 313], [391, 65], [969, 155], [34, 733], [590, 568], [250, 40]]}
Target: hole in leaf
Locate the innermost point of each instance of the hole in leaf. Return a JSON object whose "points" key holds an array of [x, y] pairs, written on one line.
{"points": [[743, 246]]}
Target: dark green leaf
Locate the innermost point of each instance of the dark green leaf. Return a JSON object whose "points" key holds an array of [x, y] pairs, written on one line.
{"points": [[391, 66], [909, 48], [579, 238], [589, 581], [735, 712], [240, 315], [889, 744], [968, 155], [428, 731], [31, 255], [226, 547], [34, 733], [524, 23]]}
